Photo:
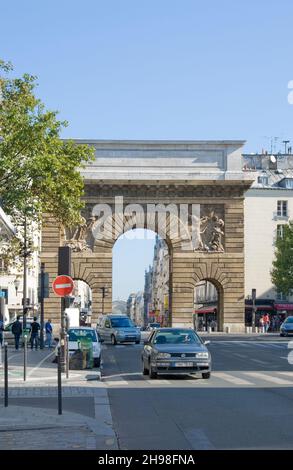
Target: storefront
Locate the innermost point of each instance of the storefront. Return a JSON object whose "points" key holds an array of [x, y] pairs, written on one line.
{"points": [[205, 317], [277, 312]]}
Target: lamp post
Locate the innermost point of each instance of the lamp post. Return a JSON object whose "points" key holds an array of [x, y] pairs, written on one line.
{"points": [[104, 290], [253, 296], [16, 283], [24, 295]]}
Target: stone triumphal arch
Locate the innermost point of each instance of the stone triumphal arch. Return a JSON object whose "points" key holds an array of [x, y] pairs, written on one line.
{"points": [[190, 192]]}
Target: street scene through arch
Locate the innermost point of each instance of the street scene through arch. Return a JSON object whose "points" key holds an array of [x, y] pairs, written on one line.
{"points": [[141, 273]]}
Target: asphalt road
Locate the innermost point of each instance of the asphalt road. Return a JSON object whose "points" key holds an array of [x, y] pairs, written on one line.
{"points": [[246, 404]]}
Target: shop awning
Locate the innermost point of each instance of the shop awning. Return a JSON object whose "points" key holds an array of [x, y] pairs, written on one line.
{"points": [[261, 307], [206, 310], [284, 306]]}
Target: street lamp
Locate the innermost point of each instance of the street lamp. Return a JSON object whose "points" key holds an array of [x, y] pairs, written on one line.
{"points": [[16, 283], [104, 291], [253, 296]]}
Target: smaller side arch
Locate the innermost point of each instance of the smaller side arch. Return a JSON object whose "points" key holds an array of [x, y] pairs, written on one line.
{"points": [[219, 319]]}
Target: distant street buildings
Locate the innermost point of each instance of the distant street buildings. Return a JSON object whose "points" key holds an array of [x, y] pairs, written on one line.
{"points": [[135, 308], [11, 277], [268, 207]]}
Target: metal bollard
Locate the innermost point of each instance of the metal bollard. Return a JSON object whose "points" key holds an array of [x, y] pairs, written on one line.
{"points": [[6, 375], [59, 370], [67, 356], [24, 357]]}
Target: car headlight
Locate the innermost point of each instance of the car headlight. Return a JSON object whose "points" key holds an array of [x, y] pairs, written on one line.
{"points": [[202, 355], [163, 355]]}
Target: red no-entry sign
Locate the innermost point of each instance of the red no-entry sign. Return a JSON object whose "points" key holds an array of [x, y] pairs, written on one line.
{"points": [[63, 285]]}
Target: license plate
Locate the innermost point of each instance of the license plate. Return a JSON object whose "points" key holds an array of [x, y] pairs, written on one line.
{"points": [[183, 364]]}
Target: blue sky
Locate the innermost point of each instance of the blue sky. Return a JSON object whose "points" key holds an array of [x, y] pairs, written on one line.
{"points": [[164, 69]]}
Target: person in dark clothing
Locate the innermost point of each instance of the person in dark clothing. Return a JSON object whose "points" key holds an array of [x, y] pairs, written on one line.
{"points": [[16, 330], [35, 328]]}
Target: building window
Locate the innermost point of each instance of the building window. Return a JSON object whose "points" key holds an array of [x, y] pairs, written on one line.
{"points": [[263, 180], [282, 208], [281, 296], [280, 231]]}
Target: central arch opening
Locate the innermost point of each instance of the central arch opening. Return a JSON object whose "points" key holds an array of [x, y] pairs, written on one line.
{"points": [[141, 277]]}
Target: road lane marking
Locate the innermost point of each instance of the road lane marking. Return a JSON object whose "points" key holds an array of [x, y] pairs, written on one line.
{"points": [[197, 381], [158, 382], [40, 363], [268, 378], [115, 382], [289, 374], [231, 378]]}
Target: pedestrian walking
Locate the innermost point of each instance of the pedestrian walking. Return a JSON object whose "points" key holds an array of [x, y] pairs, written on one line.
{"points": [[261, 324], [1, 331], [16, 330], [35, 328], [266, 322], [48, 331]]}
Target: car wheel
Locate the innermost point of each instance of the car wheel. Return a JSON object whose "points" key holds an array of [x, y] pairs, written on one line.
{"points": [[282, 334], [97, 361], [113, 340], [152, 373], [144, 370], [206, 375]]}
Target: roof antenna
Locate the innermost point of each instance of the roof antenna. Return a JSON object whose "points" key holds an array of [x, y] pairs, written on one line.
{"points": [[285, 142]]}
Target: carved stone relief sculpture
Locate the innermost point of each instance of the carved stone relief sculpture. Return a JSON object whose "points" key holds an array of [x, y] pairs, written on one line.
{"points": [[81, 238]]}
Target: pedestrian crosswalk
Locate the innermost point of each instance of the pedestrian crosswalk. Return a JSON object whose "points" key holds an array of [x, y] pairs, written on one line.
{"points": [[218, 379], [251, 344]]}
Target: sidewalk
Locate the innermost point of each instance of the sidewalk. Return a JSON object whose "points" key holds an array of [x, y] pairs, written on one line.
{"points": [[31, 420]]}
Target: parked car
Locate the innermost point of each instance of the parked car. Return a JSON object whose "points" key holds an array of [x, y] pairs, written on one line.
{"points": [[76, 334], [175, 351], [153, 326], [286, 327], [9, 336], [118, 329]]}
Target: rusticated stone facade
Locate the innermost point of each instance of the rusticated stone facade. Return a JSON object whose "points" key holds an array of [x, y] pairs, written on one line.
{"points": [[222, 197]]}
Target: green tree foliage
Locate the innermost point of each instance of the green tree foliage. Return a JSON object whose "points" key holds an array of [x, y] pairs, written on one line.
{"points": [[39, 172], [282, 272]]}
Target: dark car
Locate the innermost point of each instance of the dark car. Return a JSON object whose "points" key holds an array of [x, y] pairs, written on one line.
{"points": [[175, 351], [286, 328]]}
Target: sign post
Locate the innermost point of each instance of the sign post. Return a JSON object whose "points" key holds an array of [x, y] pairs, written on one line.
{"points": [[43, 294], [62, 286], [253, 296]]}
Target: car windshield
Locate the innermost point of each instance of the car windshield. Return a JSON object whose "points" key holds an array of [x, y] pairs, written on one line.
{"points": [[80, 334], [121, 323], [176, 337], [155, 325], [289, 320]]}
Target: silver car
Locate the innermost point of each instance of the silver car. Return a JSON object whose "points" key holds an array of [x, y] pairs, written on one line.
{"points": [[118, 329], [175, 351], [287, 327]]}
